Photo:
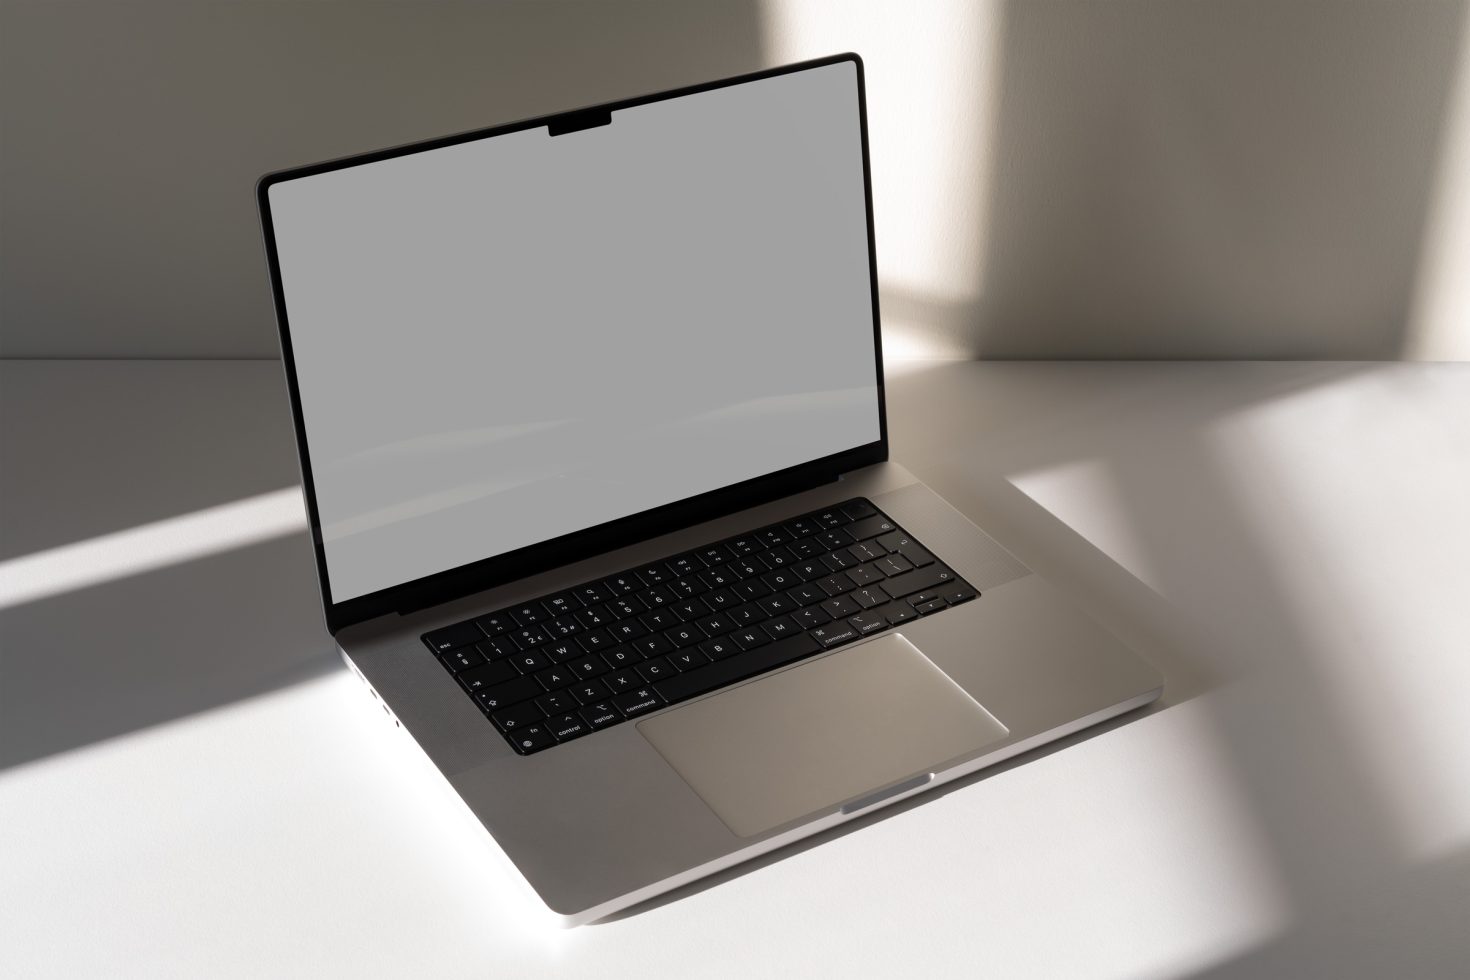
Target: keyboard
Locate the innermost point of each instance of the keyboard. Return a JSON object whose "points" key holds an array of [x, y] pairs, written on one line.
{"points": [[577, 661]]}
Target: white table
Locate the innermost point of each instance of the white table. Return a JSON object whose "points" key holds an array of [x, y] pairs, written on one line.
{"points": [[193, 787]]}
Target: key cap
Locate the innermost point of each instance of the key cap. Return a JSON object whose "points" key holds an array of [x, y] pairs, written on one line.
{"points": [[458, 635], [838, 560], [718, 578], [624, 584], [806, 548], [530, 661], [869, 527], [893, 565], [684, 636], [869, 597], [652, 645], [714, 555], [777, 557], [809, 570], [898, 613], [747, 615], [720, 599], [808, 593], [728, 671], [932, 606], [601, 714], [906, 546], [641, 701], [830, 518], [689, 659], [589, 691], [652, 670], [659, 619], [803, 527], [683, 588], [752, 589], [563, 626], [594, 616], [623, 680], [488, 675], [625, 606], [867, 622], [517, 716], [554, 677], [749, 639], [531, 636], [865, 575], [627, 630], [781, 626], [561, 604], [717, 625], [654, 574], [588, 667], [957, 592], [835, 539], [622, 657], [685, 565], [532, 738], [781, 580], [528, 615], [858, 509], [743, 546], [567, 727], [918, 580], [497, 647], [656, 597], [495, 623], [556, 703], [775, 605], [831, 636], [720, 648], [591, 595], [462, 658], [594, 641], [687, 609], [772, 536], [745, 568], [811, 616], [867, 551], [838, 584], [511, 692], [560, 653], [840, 607]]}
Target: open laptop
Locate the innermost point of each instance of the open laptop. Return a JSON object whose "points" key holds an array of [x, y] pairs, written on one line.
{"points": [[590, 412]]}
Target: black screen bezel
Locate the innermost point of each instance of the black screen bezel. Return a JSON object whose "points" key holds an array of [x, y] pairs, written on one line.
{"points": [[477, 576]]}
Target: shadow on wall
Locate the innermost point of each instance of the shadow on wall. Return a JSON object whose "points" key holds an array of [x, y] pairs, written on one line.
{"points": [[134, 134], [1197, 180]]}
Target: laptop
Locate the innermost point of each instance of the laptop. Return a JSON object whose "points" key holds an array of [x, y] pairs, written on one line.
{"points": [[590, 413]]}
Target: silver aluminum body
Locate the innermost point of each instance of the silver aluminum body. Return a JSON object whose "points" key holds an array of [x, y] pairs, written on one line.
{"points": [[604, 822]]}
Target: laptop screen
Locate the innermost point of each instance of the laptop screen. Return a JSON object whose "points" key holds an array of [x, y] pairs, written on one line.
{"points": [[514, 338]]}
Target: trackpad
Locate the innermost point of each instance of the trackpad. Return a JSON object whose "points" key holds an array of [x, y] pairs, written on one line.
{"points": [[824, 733]]}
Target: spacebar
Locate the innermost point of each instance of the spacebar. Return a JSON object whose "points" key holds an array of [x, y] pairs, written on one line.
{"points": [[736, 668]]}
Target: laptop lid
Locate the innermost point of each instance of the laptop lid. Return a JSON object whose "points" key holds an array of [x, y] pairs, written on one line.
{"points": [[514, 348]]}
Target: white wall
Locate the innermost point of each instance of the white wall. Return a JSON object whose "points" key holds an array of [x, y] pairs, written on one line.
{"points": [[1053, 178]]}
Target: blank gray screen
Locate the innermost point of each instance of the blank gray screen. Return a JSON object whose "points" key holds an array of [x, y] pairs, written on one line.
{"points": [[510, 339]]}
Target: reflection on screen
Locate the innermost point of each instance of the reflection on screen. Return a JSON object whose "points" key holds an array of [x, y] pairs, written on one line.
{"points": [[508, 340]]}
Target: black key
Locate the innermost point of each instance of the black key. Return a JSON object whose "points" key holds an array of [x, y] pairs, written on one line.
{"points": [[838, 560], [594, 616], [830, 518], [918, 580], [870, 597], [623, 680], [838, 584], [840, 607], [563, 651], [919, 598], [753, 589], [806, 548], [462, 658], [835, 539], [781, 626], [556, 703], [495, 623], [715, 578], [897, 613], [685, 587], [775, 605], [900, 542], [623, 657], [745, 568], [567, 727], [777, 557], [747, 615], [656, 597], [811, 616], [638, 702], [869, 527], [517, 716], [803, 527], [858, 509], [807, 594], [653, 574], [865, 575], [588, 691], [917, 555], [715, 625], [867, 551], [624, 584], [564, 626], [688, 609], [594, 641], [957, 592], [867, 622], [627, 630], [659, 619], [809, 570], [458, 635], [718, 649], [555, 677], [601, 714], [721, 599], [893, 565], [592, 594], [749, 639], [487, 675], [528, 615], [741, 547], [655, 669], [509, 693], [561, 604], [652, 646], [625, 606], [497, 647], [690, 659], [772, 536], [685, 636], [714, 555], [830, 636], [685, 565], [530, 661], [588, 667], [532, 738], [781, 579], [736, 668], [530, 637], [932, 606]]}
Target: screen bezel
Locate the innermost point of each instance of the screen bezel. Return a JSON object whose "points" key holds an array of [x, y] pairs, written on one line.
{"points": [[455, 583]]}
